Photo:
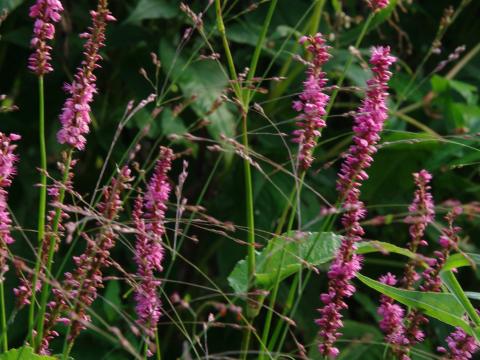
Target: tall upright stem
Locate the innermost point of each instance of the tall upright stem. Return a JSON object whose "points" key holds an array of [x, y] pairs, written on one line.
{"points": [[42, 204], [251, 308], [3, 318]]}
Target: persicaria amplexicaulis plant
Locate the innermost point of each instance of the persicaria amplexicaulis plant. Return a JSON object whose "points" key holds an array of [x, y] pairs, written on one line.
{"points": [[46, 13], [101, 260], [149, 218], [8, 160], [312, 101], [368, 125], [75, 117]]}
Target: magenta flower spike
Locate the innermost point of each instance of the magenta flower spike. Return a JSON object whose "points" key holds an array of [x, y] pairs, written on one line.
{"points": [[312, 101], [392, 314], [421, 214], [377, 4], [79, 288], [149, 217], [46, 13], [75, 117], [368, 124], [7, 171], [461, 346]]}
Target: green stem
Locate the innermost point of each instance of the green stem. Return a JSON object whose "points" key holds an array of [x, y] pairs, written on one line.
{"points": [[226, 47], [3, 318], [157, 343], [251, 308], [349, 63], [51, 249], [273, 298], [42, 204], [259, 46]]}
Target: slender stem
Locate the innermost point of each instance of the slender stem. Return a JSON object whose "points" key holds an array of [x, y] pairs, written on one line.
{"points": [[3, 318], [43, 162], [273, 297], [349, 62], [157, 343], [251, 308], [260, 43], [226, 47], [51, 249], [42, 204]]}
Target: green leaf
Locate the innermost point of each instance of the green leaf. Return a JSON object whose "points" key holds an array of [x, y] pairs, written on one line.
{"points": [[153, 9], [23, 353], [299, 250], [112, 305], [205, 82], [461, 260], [10, 4], [441, 306], [451, 282]]}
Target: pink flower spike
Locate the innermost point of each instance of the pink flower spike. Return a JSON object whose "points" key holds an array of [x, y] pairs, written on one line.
{"points": [[368, 124], [75, 117], [148, 218], [7, 171], [312, 102], [376, 5], [45, 13]]}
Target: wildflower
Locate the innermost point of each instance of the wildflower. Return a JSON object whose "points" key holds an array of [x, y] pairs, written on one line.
{"points": [[149, 216], [79, 288], [312, 101], [75, 117], [421, 213], [7, 171], [368, 125], [461, 346], [377, 4], [45, 13], [392, 316], [431, 276]]}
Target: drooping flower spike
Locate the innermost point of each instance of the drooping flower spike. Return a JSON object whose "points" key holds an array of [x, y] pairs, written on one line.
{"points": [[149, 217], [75, 117], [312, 101], [46, 13], [368, 123], [7, 171]]}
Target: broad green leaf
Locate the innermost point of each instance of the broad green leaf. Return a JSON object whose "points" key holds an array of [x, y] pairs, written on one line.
{"points": [[153, 9], [461, 260], [451, 282], [441, 306], [299, 250], [23, 353], [205, 82], [295, 249]]}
